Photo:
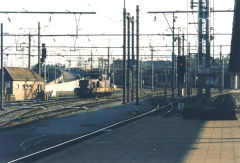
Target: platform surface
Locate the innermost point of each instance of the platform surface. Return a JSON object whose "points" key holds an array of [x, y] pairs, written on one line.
{"points": [[157, 139]]}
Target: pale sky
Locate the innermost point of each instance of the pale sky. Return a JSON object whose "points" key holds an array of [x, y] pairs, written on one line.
{"points": [[108, 20]]}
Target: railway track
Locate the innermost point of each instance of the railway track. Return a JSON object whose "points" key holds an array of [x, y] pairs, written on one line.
{"points": [[50, 109], [36, 101], [157, 108], [43, 110], [46, 110]]}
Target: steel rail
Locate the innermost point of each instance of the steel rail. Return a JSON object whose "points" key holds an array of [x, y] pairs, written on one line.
{"points": [[55, 147], [26, 118], [26, 115], [36, 107]]}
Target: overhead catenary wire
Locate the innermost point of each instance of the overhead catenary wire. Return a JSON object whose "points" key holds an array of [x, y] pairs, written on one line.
{"points": [[185, 11], [109, 35], [77, 21], [105, 47], [45, 12], [73, 55], [93, 35]]}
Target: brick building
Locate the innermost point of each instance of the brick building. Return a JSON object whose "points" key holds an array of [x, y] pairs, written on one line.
{"points": [[21, 84]]}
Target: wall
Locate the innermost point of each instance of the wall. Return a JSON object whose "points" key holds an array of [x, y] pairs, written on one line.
{"points": [[25, 89], [62, 87]]}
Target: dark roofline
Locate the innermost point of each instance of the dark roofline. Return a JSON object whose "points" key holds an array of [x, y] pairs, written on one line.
{"points": [[8, 72], [35, 76]]}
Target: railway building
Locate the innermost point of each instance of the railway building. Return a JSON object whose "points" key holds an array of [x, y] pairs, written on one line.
{"points": [[21, 84]]}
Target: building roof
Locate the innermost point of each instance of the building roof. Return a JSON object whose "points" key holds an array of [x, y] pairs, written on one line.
{"points": [[23, 74]]}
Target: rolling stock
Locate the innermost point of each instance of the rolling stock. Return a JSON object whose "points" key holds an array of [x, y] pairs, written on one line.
{"points": [[94, 87]]}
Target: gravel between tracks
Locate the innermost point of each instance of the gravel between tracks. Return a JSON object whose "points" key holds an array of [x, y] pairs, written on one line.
{"points": [[11, 112]]}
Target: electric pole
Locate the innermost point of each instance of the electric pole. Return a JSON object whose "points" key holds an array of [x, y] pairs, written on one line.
{"points": [[200, 41], [189, 83], [179, 86], [141, 75], [124, 55], [152, 71], [45, 71], [43, 61], [204, 59], [173, 59], [128, 62], [165, 83], [208, 46], [179, 46], [102, 64], [69, 65], [133, 60], [55, 74], [186, 81], [113, 74], [108, 71], [91, 61], [29, 51], [222, 84], [137, 40], [2, 69], [221, 76], [39, 50]]}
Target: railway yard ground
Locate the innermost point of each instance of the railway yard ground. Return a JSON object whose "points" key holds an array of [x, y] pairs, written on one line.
{"points": [[43, 133], [154, 137]]}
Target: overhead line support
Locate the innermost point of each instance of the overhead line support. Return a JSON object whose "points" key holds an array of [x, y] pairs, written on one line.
{"points": [[184, 12], [44, 12]]}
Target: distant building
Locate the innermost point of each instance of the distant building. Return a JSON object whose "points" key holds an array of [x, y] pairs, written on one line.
{"points": [[144, 71], [22, 84]]}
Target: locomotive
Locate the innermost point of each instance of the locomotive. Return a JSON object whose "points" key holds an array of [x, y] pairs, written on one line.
{"points": [[94, 87]]}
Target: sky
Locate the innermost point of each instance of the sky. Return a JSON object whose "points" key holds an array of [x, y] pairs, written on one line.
{"points": [[108, 20]]}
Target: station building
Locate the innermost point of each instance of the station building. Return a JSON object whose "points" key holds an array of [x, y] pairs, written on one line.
{"points": [[21, 84]]}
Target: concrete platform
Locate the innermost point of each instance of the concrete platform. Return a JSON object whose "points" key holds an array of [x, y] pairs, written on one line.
{"points": [[161, 140]]}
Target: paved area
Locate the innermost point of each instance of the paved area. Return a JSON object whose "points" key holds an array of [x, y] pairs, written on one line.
{"points": [[161, 140], [22, 140]]}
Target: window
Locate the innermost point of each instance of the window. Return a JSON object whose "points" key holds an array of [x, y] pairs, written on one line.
{"points": [[39, 87], [27, 86], [7, 84], [17, 86]]}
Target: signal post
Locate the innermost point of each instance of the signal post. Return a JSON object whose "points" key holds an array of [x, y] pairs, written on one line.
{"points": [[180, 74]]}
